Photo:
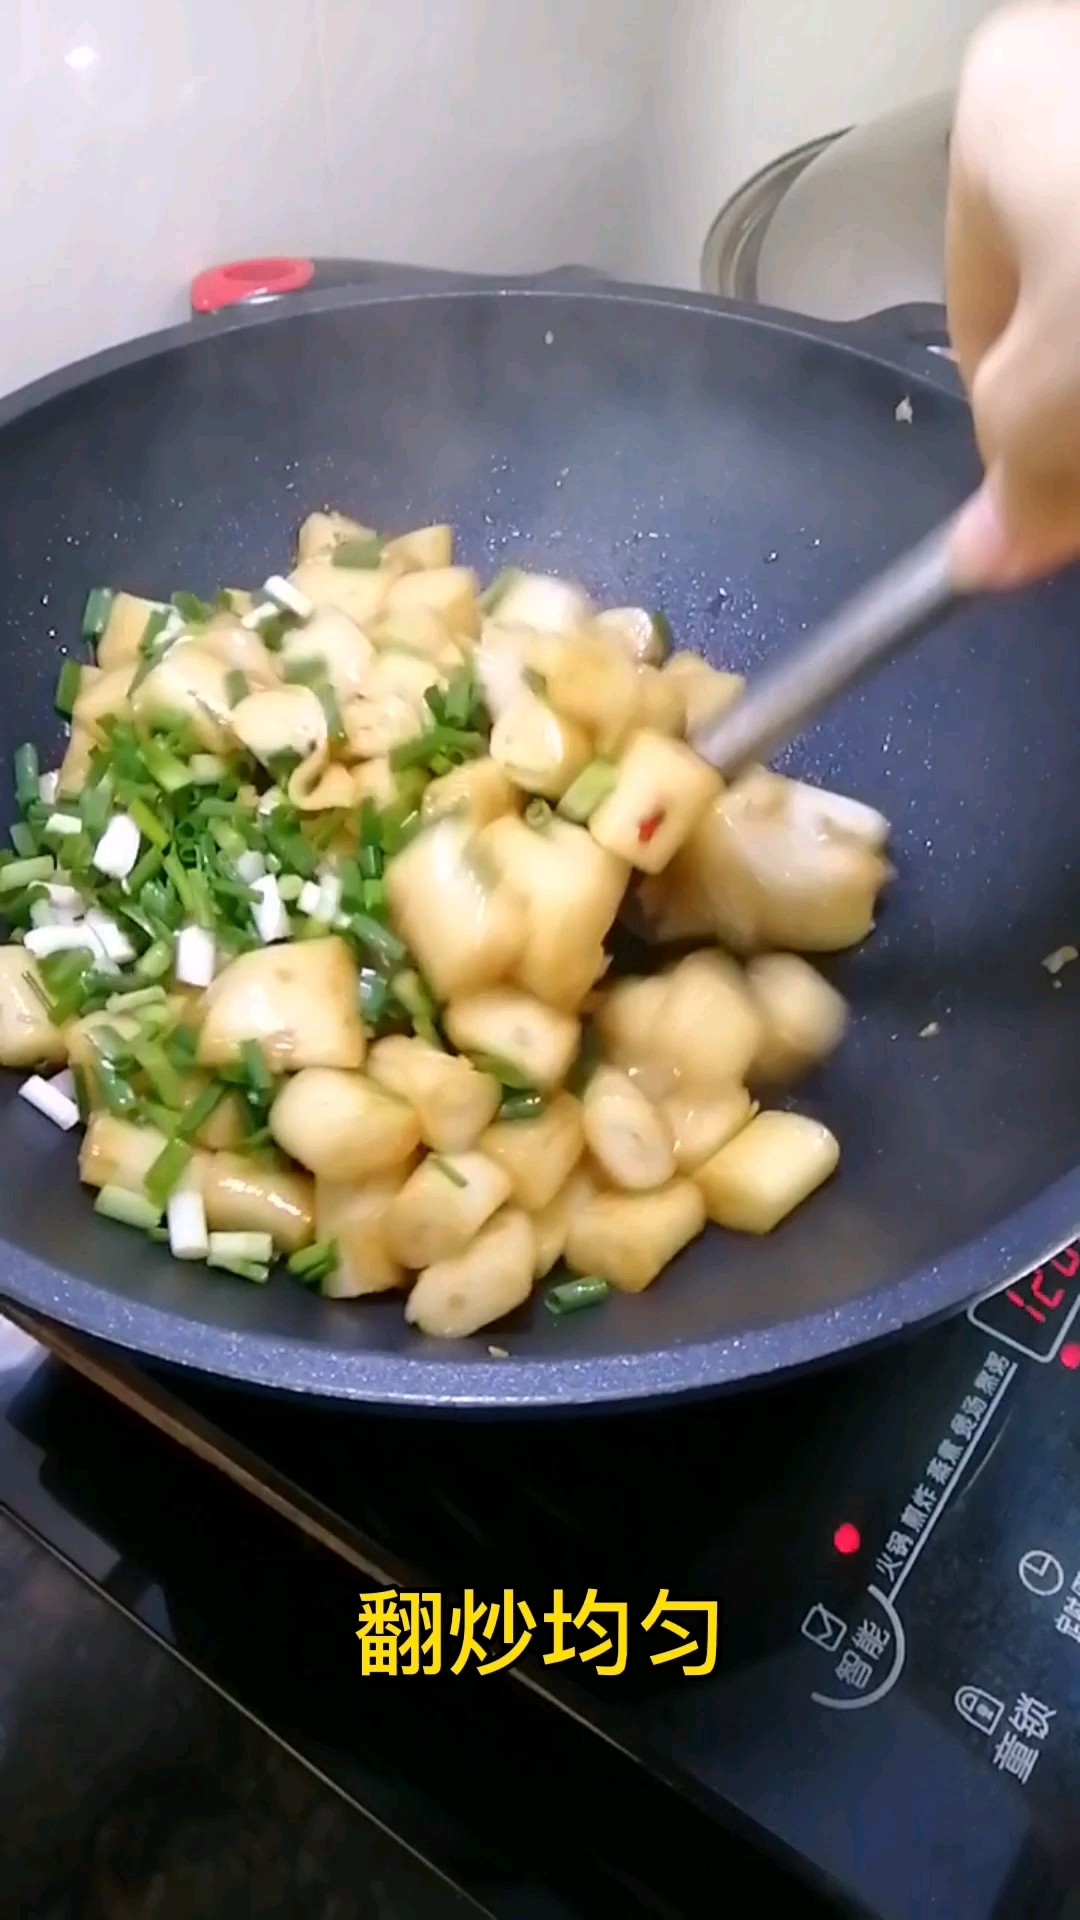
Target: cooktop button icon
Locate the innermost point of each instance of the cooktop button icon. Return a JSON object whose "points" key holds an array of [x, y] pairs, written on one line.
{"points": [[980, 1709], [824, 1629], [1041, 1573]]}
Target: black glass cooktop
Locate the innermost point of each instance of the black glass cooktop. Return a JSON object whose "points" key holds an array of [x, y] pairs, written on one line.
{"points": [[830, 1631]]}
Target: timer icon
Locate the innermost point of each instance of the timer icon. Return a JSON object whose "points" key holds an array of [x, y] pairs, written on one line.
{"points": [[1041, 1573]]}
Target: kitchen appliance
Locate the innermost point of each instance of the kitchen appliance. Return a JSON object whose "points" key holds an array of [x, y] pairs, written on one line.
{"points": [[891, 1729], [745, 472], [845, 226]]}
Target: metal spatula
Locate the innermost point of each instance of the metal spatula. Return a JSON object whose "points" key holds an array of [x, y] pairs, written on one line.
{"points": [[867, 633]]}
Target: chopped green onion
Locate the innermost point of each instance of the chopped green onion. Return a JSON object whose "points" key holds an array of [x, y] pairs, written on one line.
{"points": [[148, 823], [358, 553], [131, 1209], [538, 815], [95, 806], [96, 612], [156, 961], [244, 1246], [282, 766], [369, 861], [373, 896], [498, 589], [153, 630], [256, 1070], [314, 1264], [133, 999], [193, 611], [328, 700], [199, 1109], [183, 881], [572, 1295], [170, 773], [111, 1045], [662, 630], [585, 794], [519, 1105], [23, 841], [372, 934], [82, 1093], [168, 1170], [21, 873], [182, 1045], [67, 688], [586, 1063], [243, 1269], [66, 977], [27, 774], [290, 886], [144, 870], [451, 743], [452, 1174], [206, 768], [119, 1097], [229, 839], [503, 1071], [161, 1073], [413, 995], [374, 997], [237, 686], [305, 672]]}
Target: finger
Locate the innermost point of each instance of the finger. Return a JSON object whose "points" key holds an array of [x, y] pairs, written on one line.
{"points": [[981, 275]]}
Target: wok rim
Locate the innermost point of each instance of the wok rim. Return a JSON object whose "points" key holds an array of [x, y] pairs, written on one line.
{"points": [[982, 1266], [979, 1267]]}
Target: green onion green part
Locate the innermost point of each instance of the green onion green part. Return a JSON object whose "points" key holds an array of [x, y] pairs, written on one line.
{"points": [[358, 553], [586, 793], [314, 1264], [520, 1106], [572, 1295], [96, 612], [131, 1209], [168, 1170], [67, 688]]}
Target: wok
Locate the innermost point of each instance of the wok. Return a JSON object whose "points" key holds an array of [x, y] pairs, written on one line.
{"points": [[744, 471]]}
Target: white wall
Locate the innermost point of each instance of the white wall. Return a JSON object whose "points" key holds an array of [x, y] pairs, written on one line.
{"points": [[141, 140]]}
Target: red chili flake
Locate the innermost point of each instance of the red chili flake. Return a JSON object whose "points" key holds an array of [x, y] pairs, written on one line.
{"points": [[650, 826]]}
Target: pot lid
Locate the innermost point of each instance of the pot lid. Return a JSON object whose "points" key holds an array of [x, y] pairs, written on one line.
{"points": [[845, 227]]}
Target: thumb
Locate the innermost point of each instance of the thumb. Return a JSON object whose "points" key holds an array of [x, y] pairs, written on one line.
{"points": [[984, 556]]}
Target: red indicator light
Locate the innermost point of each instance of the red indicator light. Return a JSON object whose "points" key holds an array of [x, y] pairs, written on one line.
{"points": [[847, 1538], [1070, 1356]]}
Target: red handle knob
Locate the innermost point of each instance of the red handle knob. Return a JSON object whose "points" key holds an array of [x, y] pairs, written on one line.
{"points": [[242, 280]]}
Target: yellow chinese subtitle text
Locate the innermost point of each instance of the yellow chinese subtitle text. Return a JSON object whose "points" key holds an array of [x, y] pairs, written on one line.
{"points": [[404, 1634]]}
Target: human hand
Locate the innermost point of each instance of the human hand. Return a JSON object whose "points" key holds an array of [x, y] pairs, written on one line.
{"points": [[1013, 276]]}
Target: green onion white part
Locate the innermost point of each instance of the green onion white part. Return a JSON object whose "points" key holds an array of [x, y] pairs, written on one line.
{"points": [[196, 957], [112, 941], [62, 825], [42, 941], [53, 1098], [186, 1220], [118, 849], [287, 598], [48, 787], [271, 919]]}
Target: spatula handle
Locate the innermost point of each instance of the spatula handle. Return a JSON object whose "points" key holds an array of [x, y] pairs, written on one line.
{"points": [[869, 631]]}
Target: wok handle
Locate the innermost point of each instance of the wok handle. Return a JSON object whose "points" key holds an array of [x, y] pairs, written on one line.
{"points": [[242, 283], [914, 336]]}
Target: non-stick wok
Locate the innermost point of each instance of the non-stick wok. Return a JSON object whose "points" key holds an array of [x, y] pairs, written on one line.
{"points": [[744, 472]]}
